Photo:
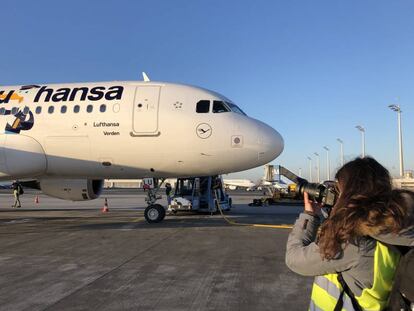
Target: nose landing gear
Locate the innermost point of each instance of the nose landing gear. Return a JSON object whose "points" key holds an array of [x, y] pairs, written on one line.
{"points": [[154, 212]]}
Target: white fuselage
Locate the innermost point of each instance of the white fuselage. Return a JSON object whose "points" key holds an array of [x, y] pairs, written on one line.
{"points": [[126, 130], [239, 183]]}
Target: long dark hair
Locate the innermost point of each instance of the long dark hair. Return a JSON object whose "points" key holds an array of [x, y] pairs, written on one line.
{"points": [[367, 205]]}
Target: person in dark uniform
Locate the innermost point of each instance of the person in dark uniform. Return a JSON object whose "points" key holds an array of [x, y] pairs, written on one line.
{"points": [[17, 191], [168, 192]]}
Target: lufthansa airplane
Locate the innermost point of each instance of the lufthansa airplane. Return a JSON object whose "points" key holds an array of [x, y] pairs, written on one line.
{"points": [[67, 138], [234, 184]]}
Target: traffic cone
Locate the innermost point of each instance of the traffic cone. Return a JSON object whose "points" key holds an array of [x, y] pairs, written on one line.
{"points": [[105, 208], [37, 199]]}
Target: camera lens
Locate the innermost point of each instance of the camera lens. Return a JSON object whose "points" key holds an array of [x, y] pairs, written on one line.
{"points": [[314, 190]]}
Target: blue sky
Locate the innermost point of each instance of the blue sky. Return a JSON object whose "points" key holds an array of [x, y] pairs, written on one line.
{"points": [[311, 69]]}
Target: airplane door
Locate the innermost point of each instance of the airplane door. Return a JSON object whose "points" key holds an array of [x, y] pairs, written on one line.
{"points": [[145, 111]]}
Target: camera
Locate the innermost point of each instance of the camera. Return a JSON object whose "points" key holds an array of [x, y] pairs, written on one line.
{"points": [[323, 193]]}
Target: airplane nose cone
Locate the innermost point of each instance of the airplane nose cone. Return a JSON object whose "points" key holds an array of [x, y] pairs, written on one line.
{"points": [[271, 143]]}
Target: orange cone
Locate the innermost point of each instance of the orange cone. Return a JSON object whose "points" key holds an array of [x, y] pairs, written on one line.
{"points": [[105, 208], [37, 200]]}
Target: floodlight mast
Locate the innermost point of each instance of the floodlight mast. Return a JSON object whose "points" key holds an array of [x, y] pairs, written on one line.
{"points": [[328, 164], [397, 109], [362, 130], [310, 168], [318, 169], [342, 150]]}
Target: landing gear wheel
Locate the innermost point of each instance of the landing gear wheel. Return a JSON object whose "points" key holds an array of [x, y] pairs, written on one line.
{"points": [[154, 213]]}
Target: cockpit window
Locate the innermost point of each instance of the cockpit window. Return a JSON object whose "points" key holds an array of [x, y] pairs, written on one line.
{"points": [[203, 106], [219, 107], [235, 108]]}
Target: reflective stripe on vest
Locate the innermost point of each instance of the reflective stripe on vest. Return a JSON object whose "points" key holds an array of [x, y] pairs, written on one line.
{"points": [[325, 293], [327, 289]]}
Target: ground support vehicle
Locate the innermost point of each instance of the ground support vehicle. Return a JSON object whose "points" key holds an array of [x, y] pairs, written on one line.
{"points": [[201, 194]]}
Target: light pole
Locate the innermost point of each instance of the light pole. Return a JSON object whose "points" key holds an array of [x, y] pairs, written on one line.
{"points": [[318, 167], [340, 141], [328, 164], [310, 169], [397, 109], [362, 130]]}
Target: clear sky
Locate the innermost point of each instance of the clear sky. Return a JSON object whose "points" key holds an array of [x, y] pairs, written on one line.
{"points": [[311, 69]]}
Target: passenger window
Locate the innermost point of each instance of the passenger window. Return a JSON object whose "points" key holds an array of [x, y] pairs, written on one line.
{"points": [[203, 106], [26, 110], [38, 109], [2, 110], [51, 109], [63, 109], [219, 107], [14, 110], [102, 108], [76, 109], [89, 108]]}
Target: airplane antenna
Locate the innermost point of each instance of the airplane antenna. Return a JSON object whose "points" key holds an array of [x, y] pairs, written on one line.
{"points": [[146, 79]]}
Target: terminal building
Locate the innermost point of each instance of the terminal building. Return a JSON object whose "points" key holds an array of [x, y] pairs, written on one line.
{"points": [[407, 182]]}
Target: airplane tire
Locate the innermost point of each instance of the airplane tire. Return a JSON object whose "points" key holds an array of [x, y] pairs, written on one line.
{"points": [[154, 213]]}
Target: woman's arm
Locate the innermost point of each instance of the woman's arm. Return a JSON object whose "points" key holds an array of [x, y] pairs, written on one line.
{"points": [[303, 256]]}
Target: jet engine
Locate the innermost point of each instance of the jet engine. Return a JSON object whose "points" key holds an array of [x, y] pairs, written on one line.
{"points": [[72, 189]]}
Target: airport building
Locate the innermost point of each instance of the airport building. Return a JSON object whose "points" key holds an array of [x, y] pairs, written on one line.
{"points": [[405, 183]]}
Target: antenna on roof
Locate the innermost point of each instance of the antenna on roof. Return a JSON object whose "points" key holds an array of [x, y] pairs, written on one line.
{"points": [[146, 79]]}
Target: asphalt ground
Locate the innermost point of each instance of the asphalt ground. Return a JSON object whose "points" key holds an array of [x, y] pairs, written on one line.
{"points": [[62, 255]]}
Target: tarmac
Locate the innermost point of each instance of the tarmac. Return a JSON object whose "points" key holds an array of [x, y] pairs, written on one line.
{"points": [[63, 255]]}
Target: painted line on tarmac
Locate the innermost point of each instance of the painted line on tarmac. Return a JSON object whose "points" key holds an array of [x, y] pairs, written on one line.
{"points": [[18, 221], [273, 226]]}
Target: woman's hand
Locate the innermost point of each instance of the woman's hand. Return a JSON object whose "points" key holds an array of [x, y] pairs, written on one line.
{"points": [[310, 206]]}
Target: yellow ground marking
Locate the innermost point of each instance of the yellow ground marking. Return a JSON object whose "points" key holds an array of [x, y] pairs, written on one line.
{"points": [[234, 223]]}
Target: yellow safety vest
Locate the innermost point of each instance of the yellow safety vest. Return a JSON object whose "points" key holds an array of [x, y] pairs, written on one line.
{"points": [[327, 289]]}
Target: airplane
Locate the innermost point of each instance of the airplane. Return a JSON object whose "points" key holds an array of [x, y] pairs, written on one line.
{"points": [[234, 184], [65, 139], [277, 184]]}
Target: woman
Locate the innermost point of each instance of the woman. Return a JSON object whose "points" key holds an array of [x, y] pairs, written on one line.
{"points": [[353, 270]]}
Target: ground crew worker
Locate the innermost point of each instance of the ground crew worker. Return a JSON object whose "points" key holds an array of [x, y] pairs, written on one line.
{"points": [[17, 191], [168, 192], [353, 269]]}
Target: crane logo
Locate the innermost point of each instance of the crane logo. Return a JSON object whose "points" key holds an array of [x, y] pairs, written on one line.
{"points": [[24, 121], [204, 130]]}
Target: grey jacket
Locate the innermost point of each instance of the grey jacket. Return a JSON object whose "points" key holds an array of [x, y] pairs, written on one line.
{"points": [[356, 263]]}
